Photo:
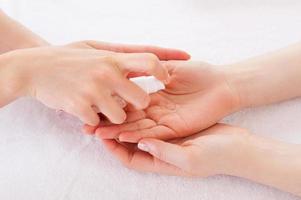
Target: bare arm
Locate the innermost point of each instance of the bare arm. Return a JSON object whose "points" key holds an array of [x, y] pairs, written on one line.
{"points": [[269, 78], [221, 149], [273, 163], [15, 36]]}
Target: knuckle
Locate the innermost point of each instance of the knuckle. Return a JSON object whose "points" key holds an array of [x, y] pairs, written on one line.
{"points": [[153, 61], [78, 105], [109, 60], [81, 109], [101, 74], [86, 93]]}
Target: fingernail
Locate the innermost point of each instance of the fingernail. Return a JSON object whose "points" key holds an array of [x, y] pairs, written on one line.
{"points": [[143, 147]]}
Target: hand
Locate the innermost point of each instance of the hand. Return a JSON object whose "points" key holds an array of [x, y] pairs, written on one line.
{"points": [[79, 81], [109, 48], [161, 53], [213, 151], [197, 96], [221, 149]]}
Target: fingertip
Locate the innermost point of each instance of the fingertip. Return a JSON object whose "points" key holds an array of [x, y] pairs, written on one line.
{"points": [[92, 118], [186, 56], [176, 54], [93, 122], [89, 129], [144, 102], [110, 144], [119, 119]]}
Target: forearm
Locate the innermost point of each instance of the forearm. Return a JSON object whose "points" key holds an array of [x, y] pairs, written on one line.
{"points": [[13, 79], [15, 36], [272, 163], [269, 78]]}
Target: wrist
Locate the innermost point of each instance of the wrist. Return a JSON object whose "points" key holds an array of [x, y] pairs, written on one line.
{"points": [[13, 78], [246, 83], [235, 156], [272, 163]]}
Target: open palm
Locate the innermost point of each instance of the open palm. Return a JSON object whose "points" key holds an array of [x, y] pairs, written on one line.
{"points": [[197, 96]]}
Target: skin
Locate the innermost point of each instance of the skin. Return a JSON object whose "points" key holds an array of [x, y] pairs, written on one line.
{"points": [[197, 96], [101, 66], [190, 103], [16, 36], [260, 159], [196, 155], [200, 94], [57, 75]]}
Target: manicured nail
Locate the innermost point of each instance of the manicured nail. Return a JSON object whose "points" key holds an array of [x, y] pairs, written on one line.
{"points": [[143, 147]]}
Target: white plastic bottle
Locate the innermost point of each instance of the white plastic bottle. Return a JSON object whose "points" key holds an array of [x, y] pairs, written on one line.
{"points": [[148, 83]]}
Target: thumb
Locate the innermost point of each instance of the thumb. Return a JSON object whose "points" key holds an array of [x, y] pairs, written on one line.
{"points": [[167, 152]]}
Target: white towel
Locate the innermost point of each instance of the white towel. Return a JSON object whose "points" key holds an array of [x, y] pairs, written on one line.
{"points": [[44, 155]]}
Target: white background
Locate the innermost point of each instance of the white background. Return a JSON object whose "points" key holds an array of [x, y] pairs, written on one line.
{"points": [[45, 156]]}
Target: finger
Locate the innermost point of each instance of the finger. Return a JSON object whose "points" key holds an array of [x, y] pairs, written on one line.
{"points": [[131, 116], [167, 152], [109, 107], [132, 93], [158, 132], [103, 121], [162, 53], [85, 113], [120, 101], [143, 63], [140, 160], [135, 116], [110, 132], [89, 129]]}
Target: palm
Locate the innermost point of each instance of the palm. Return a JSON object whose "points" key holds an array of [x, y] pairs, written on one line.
{"points": [[196, 98]]}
